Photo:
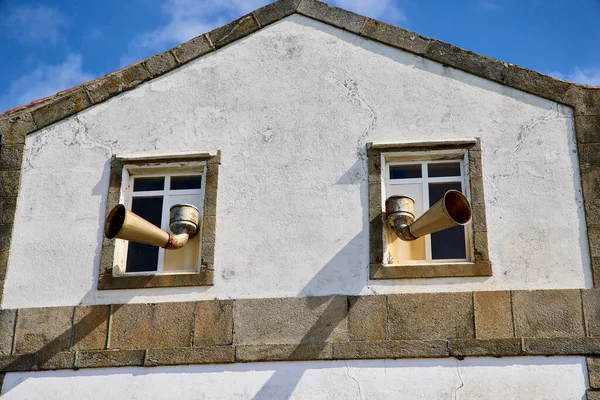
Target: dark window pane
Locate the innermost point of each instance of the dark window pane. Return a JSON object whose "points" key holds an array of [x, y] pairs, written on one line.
{"points": [[144, 257], [438, 190], [405, 171], [148, 184], [443, 169], [449, 243], [186, 182]]}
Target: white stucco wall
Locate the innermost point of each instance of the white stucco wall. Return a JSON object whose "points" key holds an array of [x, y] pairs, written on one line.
{"points": [[291, 108], [526, 378]]}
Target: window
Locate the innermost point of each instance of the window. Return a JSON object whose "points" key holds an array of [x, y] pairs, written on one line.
{"points": [[426, 182], [149, 187], [425, 172], [151, 197]]}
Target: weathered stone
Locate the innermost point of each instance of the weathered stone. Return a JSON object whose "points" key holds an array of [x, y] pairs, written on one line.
{"points": [[332, 15], [284, 352], [196, 355], [477, 191], [589, 156], [548, 313], [7, 328], [591, 311], [465, 60], [208, 255], [596, 271], [160, 64], [90, 327], [479, 221], [533, 82], [481, 246], [594, 241], [9, 183], [8, 206], [11, 157], [367, 317], [394, 36], [5, 237], [484, 348], [290, 320], [3, 264], [47, 330], [584, 100], [374, 169], [117, 82], [162, 325], [390, 349], [23, 362], [493, 315], [592, 212], [593, 366], [14, 128], [213, 323], [211, 190], [192, 49], [590, 182], [209, 229], [234, 30], [592, 394], [561, 346], [60, 107], [109, 358], [587, 128], [275, 11], [107, 259], [62, 360], [430, 316]]}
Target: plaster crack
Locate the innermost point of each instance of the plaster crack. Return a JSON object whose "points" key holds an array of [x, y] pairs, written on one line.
{"points": [[462, 383], [553, 115], [86, 141], [352, 88], [354, 379]]}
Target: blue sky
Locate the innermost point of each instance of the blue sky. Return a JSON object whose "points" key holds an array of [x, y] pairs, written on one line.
{"points": [[48, 46]]}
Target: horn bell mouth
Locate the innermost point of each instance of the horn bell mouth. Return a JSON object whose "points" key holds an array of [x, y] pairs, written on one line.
{"points": [[114, 221], [457, 206]]}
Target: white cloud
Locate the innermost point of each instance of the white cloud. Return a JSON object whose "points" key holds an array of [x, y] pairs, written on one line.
{"points": [[187, 19], [490, 6], [33, 23], [587, 76], [386, 10], [45, 81]]}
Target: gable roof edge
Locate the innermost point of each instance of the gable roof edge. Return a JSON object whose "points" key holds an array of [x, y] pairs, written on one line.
{"points": [[16, 123]]}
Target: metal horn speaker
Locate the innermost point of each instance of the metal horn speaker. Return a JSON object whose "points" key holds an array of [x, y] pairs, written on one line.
{"points": [[124, 224], [451, 210]]}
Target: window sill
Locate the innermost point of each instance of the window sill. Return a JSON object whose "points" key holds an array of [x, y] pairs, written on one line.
{"points": [[110, 282], [440, 270]]}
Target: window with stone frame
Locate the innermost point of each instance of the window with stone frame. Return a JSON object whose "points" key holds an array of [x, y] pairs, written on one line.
{"points": [[425, 171], [149, 186]]}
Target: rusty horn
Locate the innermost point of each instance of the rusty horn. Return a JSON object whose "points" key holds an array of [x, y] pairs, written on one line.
{"points": [[451, 210], [124, 224]]}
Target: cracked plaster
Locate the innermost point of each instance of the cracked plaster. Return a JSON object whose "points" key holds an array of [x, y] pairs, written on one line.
{"points": [[291, 121], [479, 378]]}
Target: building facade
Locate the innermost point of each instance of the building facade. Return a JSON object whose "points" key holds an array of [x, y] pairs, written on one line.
{"points": [[288, 129]]}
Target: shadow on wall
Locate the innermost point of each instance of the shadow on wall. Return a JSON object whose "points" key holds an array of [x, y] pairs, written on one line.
{"points": [[450, 374], [284, 380]]}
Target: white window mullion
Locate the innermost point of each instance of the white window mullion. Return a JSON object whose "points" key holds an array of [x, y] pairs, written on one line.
{"points": [[164, 223], [425, 208]]}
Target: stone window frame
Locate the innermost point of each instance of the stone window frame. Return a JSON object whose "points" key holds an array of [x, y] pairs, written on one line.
{"points": [[480, 266], [205, 274]]}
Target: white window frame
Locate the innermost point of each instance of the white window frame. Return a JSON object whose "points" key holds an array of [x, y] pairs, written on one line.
{"points": [[166, 170], [423, 158]]}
